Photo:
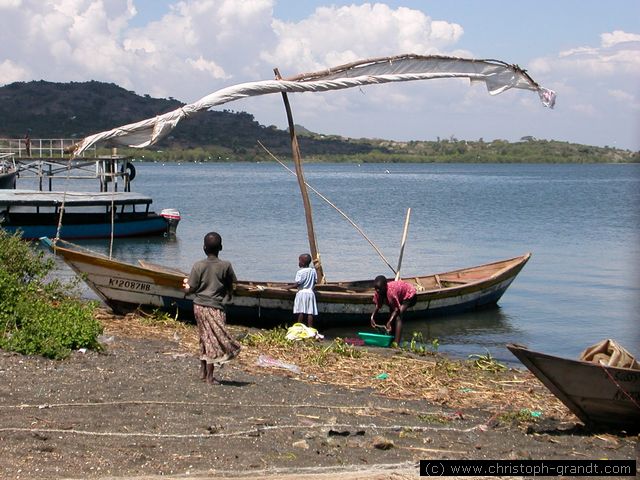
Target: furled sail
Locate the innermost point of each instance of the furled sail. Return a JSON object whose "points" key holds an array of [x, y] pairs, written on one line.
{"points": [[497, 75]]}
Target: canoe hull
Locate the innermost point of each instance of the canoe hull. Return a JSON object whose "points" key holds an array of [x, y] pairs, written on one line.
{"points": [[125, 287], [277, 310], [600, 396]]}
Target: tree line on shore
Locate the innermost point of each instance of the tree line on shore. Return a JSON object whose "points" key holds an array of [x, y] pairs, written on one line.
{"points": [[441, 151]]}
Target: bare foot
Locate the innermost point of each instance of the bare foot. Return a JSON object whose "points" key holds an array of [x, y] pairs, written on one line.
{"points": [[211, 380]]}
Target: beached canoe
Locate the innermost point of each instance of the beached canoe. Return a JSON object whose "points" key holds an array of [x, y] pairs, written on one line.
{"points": [[125, 287], [599, 395]]}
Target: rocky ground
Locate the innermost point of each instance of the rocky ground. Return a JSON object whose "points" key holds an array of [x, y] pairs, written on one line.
{"points": [[139, 410]]}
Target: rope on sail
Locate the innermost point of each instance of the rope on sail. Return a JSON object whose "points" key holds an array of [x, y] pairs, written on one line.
{"points": [[334, 207]]}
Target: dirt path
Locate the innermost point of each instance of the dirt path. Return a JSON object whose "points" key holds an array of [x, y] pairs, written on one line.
{"points": [[139, 410]]}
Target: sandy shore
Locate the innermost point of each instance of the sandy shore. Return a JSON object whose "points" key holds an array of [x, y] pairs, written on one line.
{"points": [[138, 410]]}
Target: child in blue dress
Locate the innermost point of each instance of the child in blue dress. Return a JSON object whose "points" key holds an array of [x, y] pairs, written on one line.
{"points": [[305, 302]]}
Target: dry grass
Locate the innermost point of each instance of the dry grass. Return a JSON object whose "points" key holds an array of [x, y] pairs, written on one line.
{"points": [[453, 383]]}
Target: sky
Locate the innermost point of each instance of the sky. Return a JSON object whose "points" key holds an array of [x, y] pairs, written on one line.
{"points": [[588, 51]]}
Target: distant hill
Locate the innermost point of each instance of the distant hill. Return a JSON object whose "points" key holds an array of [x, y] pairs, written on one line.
{"points": [[78, 109]]}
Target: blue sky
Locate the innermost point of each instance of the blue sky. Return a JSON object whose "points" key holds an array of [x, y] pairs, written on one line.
{"points": [[488, 24], [588, 51]]}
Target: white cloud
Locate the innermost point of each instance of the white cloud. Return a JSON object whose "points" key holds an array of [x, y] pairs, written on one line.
{"points": [[209, 67], [10, 72], [334, 35], [10, 3], [618, 52], [618, 36], [625, 99], [584, 108], [621, 95], [594, 84]]}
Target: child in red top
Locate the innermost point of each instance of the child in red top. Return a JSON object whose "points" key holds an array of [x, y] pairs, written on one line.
{"points": [[399, 296]]}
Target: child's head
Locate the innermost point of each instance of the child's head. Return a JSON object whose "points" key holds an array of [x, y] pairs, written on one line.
{"points": [[380, 283], [212, 243], [304, 260]]}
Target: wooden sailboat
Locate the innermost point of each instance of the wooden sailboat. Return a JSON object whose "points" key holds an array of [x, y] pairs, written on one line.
{"points": [[125, 287]]}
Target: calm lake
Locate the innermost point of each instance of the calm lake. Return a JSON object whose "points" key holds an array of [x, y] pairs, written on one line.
{"points": [[581, 222]]}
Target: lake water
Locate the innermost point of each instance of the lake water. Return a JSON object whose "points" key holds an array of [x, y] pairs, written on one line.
{"points": [[581, 222]]}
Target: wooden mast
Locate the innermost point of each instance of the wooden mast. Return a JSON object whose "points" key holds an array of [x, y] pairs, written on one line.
{"points": [[295, 152], [403, 242]]}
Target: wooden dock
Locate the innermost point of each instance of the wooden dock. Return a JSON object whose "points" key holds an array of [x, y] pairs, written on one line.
{"points": [[49, 158]]}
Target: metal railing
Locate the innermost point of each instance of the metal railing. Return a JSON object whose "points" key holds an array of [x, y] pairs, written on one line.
{"points": [[42, 147]]}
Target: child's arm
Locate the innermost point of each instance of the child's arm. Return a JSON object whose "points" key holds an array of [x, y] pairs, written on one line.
{"points": [[392, 317], [191, 283], [373, 316], [291, 286], [299, 281]]}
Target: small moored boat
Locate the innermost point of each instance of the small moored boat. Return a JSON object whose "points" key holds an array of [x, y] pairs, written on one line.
{"points": [[86, 215]]}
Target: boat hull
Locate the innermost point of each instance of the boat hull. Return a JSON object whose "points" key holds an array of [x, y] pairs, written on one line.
{"points": [[85, 226], [600, 396], [8, 180], [37, 214], [125, 287]]}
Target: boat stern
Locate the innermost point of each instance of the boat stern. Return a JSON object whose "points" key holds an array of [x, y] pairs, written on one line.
{"points": [[172, 217]]}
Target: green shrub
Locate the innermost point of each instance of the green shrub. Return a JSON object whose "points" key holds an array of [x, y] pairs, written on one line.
{"points": [[39, 317]]}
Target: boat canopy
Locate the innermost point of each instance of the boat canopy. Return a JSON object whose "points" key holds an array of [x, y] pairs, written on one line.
{"points": [[35, 198], [498, 76]]}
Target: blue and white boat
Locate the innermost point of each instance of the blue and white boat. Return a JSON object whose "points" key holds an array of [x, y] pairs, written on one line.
{"points": [[85, 214]]}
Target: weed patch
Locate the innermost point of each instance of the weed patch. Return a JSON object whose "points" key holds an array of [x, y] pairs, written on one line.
{"points": [[39, 317]]}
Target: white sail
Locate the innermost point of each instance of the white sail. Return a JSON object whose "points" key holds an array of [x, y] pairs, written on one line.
{"points": [[497, 75]]}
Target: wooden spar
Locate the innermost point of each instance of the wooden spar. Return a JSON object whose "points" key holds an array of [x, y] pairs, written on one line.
{"points": [[295, 151], [404, 240]]}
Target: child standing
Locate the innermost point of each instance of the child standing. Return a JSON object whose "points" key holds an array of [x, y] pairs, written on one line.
{"points": [[305, 302], [211, 281]]}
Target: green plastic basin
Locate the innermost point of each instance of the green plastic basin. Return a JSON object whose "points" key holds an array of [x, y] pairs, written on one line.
{"points": [[376, 339]]}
